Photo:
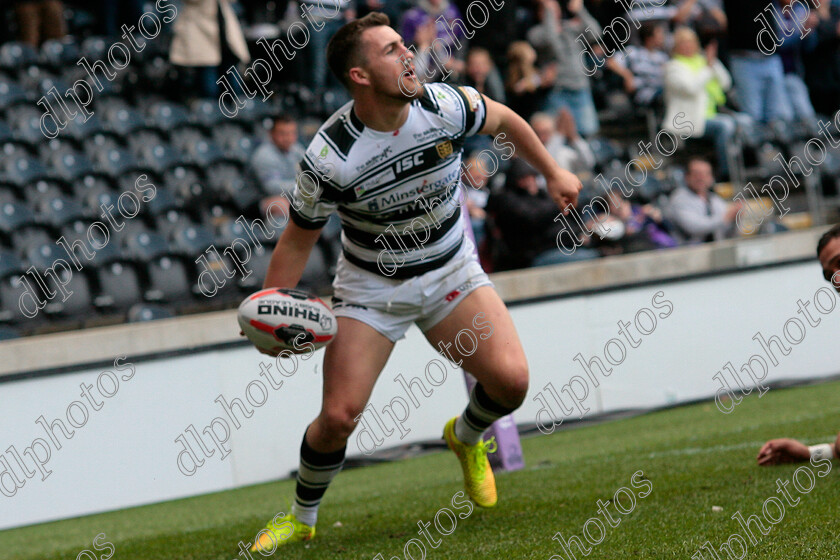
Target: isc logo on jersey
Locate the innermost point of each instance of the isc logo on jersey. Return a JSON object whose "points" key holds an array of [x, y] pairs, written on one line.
{"points": [[408, 162]]}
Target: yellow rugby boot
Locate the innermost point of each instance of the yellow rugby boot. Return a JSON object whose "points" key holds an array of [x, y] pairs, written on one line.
{"points": [[478, 476], [282, 532]]}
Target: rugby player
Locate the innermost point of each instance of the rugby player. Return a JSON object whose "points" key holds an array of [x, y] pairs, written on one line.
{"points": [[389, 162], [786, 450]]}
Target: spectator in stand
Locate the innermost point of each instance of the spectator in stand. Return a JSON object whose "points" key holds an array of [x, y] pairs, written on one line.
{"points": [[275, 164], [39, 20], [524, 215], [633, 227], [526, 86], [563, 142], [331, 14], [759, 77], [201, 43], [482, 74], [556, 40], [695, 87], [706, 17], [643, 68], [791, 52], [420, 27], [697, 213], [822, 60]]}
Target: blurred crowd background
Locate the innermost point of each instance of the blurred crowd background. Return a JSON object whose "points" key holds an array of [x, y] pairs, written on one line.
{"points": [[597, 104]]}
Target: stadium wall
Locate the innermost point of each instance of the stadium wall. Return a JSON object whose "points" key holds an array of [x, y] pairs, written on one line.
{"points": [[172, 372]]}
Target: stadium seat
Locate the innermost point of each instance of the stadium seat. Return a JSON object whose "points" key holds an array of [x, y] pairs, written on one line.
{"points": [[102, 255], [145, 312], [168, 222], [47, 83], [144, 246], [75, 283], [7, 194], [168, 280], [159, 157], [115, 162], [12, 94], [70, 165], [99, 143], [130, 228], [119, 285], [163, 201], [167, 116], [91, 185], [95, 48], [42, 190], [16, 56], [185, 184], [314, 275], [49, 148], [26, 122], [12, 150], [14, 216], [204, 153], [58, 53], [215, 215], [206, 113], [241, 148], [190, 240], [605, 151], [254, 111], [10, 264], [29, 237], [231, 184], [11, 269], [59, 210], [79, 129], [231, 230], [124, 121], [6, 132]]}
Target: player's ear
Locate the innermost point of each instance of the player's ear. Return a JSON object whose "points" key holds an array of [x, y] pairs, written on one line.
{"points": [[358, 75]]}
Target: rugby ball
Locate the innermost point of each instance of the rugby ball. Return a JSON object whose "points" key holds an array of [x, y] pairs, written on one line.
{"points": [[278, 319]]}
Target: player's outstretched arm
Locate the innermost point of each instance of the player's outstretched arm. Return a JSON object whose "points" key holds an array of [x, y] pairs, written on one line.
{"points": [[290, 255], [563, 186], [786, 450], [782, 450]]}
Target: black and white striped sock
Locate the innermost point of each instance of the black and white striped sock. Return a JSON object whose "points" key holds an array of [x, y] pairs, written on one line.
{"points": [[477, 417], [314, 476]]}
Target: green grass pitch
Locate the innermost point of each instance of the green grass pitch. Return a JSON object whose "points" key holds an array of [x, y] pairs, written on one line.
{"points": [[695, 457]]}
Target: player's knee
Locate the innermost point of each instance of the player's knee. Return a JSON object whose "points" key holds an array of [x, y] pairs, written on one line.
{"points": [[514, 387], [339, 422], [518, 388]]}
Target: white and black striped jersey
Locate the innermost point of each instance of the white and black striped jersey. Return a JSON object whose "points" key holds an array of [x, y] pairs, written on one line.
{"points": [[395, 192]]}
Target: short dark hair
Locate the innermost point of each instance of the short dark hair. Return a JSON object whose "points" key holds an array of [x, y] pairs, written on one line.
{"points": [[282, 118], [696, 159], [344, 49], [827, 237], [647, 30]]}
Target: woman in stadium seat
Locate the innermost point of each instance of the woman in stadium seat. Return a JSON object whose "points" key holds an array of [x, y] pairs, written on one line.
{"points": [[695, 88]]}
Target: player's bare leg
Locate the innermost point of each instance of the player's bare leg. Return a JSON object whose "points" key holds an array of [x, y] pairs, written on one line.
{"points": [[352, 363], [501, 369]]}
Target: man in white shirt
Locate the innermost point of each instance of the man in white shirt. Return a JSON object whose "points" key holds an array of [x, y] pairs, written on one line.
{"points": [[275, 162], [699, 214]]}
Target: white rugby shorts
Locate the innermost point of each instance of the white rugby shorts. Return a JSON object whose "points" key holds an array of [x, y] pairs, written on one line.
{"points": [[391, 306]]}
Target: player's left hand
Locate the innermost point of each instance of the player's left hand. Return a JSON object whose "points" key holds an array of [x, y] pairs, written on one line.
{"points": [[783, 450], [563, 187]]}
